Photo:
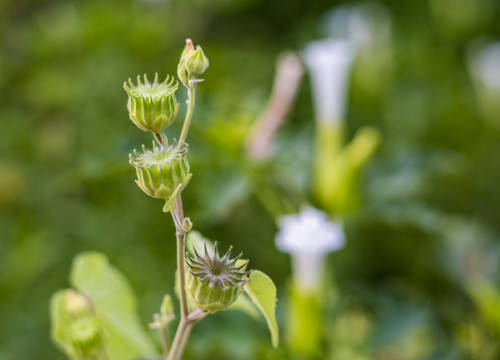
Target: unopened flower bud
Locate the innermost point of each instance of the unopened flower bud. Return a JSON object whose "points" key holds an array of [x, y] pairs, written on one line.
{"points": [[152, 106], [197, 62], [192, 63], [187, 224], [214, 283], [162, 172], [181, 67]]}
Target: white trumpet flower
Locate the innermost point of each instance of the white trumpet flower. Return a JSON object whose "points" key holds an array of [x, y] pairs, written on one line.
{"points": [[329, 62], [308, 237]]}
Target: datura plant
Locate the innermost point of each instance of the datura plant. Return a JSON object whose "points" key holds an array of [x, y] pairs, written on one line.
{"points": [[96, 319]]}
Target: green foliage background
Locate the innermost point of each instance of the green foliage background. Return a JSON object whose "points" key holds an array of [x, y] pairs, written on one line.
{"points": [[431, 217]]}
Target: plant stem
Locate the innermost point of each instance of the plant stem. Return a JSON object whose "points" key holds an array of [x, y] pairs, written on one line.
{"points": [[179, 342], [164, 340], [181, 251], [158, 139], [189, 114], [183, 332], [186, 321], [183, 340]]}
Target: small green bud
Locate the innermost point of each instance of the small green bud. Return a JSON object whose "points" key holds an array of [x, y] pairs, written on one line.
{"points": [[167, 310], [152, 107], [85, 335], [162, 172], [192, 63], [196, 62], [215, 283], [187, 224]]}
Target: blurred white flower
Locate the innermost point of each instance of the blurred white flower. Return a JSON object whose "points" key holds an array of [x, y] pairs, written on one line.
{"points": [[484, 62], [367, 27], [484, 66], [364, 25], [329, 62], [308, 236]]}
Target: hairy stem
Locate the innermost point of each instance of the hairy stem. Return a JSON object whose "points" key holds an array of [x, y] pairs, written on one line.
{"points": [[183, 332], [179, 341], [189, 113], [164, 340], [181, 251], [183, 341]]}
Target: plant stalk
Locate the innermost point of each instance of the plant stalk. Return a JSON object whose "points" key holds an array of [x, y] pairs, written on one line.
{"points": [[186, 322], [181, 251], [189, 114], [178, 343]]}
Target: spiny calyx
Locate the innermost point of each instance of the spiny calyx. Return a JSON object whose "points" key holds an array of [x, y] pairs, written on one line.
{"points": [[215, 282], [163, 171], [152, 106]]}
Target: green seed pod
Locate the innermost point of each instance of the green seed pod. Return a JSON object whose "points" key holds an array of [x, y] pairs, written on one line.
{"points": [[152, 107], [85, 335], [162, 172], [214, 283]]}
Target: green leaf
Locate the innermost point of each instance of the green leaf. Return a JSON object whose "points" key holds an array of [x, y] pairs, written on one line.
{"points": [[262, 291], [115, 303], [243, 303]]}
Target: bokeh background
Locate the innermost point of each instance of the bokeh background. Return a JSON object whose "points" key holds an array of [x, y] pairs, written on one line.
{"points": [[418, 277]]}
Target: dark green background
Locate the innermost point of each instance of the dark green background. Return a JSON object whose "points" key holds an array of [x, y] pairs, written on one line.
{"points": [[431, 210]]}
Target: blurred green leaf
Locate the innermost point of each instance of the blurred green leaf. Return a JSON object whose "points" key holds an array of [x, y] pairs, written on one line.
{"points": [[262, 291], [244, 304], [115, 302], [194, 240]]}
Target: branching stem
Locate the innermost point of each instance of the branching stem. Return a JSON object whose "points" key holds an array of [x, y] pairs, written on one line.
{"points": [[187, 319]]}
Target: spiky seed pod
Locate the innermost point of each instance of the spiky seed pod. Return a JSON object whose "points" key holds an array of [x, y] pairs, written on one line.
{"points": [[162, 172], [213, 282], [152, 106], [85, 335]]}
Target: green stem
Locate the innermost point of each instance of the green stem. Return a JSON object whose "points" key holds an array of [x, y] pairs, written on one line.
{"points": [[189, 114], [187, 319], [181, 251], [183, 332], [183, 341], [185, 323], [179, 342], [162, 329]]}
